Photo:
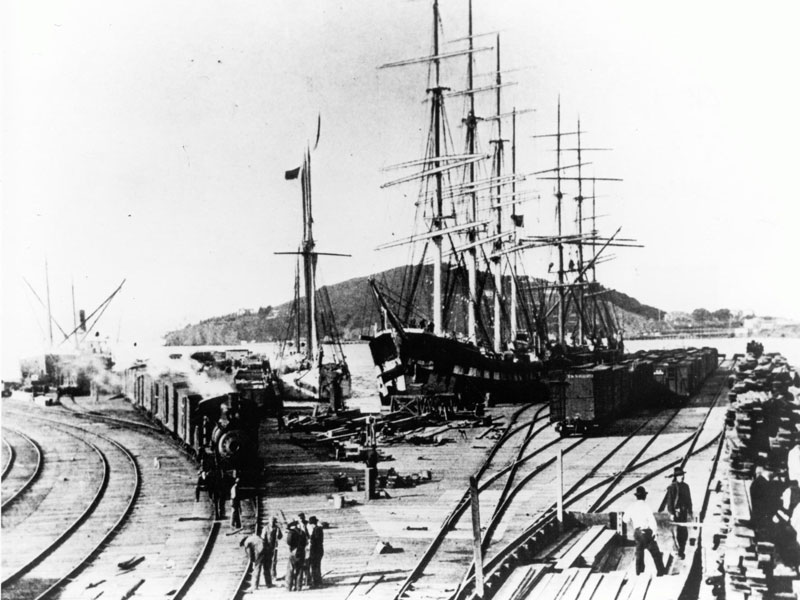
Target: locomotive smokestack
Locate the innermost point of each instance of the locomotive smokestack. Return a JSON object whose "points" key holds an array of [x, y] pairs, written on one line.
{"points": [[82, 318]]}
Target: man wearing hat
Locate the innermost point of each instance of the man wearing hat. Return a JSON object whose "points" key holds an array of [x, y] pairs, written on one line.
{"points": [[679, 505], [302, 527], [315, 552], [271, 535], [644, 531], [296, 540]]}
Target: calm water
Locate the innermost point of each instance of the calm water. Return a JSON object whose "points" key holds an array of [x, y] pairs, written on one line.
{"points": [[363, 371]]}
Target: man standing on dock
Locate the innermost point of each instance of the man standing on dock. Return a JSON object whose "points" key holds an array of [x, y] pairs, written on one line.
{"points": [[315, 552], [679, 505], [236, 504], [644, 531], [296, 541], [272, 535]]}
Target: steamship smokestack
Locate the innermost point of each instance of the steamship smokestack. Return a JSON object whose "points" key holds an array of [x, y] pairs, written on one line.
{"points": [[82, 318]]}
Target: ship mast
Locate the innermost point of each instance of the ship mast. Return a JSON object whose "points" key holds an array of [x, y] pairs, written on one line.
{"points": [[513, 257], [559, 195], [471, 124], [309, 261], [436, 92], [579, 199], [498, 168]]}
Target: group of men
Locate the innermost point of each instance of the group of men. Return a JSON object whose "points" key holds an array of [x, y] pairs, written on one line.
{"points": [[305, 539], [643, 522]]}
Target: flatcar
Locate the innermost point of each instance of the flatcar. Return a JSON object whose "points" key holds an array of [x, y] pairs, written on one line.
{"points": [[584, 400], [222, 427]]}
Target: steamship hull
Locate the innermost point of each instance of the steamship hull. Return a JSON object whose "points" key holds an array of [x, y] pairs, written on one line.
{"points": [[424, 364], [72, 374]]}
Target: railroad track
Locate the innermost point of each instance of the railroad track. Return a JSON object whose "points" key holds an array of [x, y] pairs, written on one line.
{"points": [[8, 450], [83, 536], [69, 404], [138, 532], [545, 523], [29, 466], [499, 463]]}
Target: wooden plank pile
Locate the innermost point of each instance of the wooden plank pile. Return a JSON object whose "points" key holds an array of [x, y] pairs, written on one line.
{"points": [[564, 571], [351, 433], [760, 431]]}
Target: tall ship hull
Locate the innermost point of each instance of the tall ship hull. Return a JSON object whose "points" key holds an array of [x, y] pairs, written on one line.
{"points": [[489, 331], [417, 362]]}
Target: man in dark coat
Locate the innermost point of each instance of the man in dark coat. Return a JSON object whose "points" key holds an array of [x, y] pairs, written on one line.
{"points": [[218, 492], [679, 505], [315, 552], [302, 527], [765, 499], [236, 505], [296, 540], [203, 480]]}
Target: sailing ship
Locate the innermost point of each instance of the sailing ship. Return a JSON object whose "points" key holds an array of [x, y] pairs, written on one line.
{"points": [[306, 368], [486, 333]]}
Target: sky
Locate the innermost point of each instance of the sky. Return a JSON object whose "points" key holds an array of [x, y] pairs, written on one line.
{"points": [[147, 142]]}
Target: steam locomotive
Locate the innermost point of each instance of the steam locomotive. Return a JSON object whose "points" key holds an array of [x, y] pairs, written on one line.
{"points": [[217, 427]]}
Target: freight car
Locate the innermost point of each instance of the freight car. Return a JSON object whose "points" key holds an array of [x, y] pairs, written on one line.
{"points": [[583, 400], [221, 427]]}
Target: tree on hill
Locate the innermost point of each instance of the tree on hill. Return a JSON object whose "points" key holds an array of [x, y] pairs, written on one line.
{"points": [[723, 314]]}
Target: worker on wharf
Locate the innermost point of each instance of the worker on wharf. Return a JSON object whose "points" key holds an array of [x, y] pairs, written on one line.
{"points": [[765, 499], [302, 525], [271, 535], [236, 504], [315, 552], [371, 459], [296, 540], [203, 483], [218, 492], [644, 531], [254, 549], [279, 408], [679, 505], [779, 407]]}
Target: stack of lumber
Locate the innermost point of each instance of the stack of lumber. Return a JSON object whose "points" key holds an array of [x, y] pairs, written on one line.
{"points": [[750, 565], [575, 583], [747, 563], [564, 570]]}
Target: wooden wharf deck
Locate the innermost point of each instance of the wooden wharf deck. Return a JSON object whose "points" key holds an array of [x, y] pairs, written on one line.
{"points": [[612, 564], [300, 478], [407, 520]]}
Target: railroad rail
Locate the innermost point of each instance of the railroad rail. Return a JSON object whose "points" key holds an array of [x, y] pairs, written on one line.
{"points": [[546, 523], [85, 515], [9, 461], [77, 410], [463, 504], [37, 470], [83, 567]]}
